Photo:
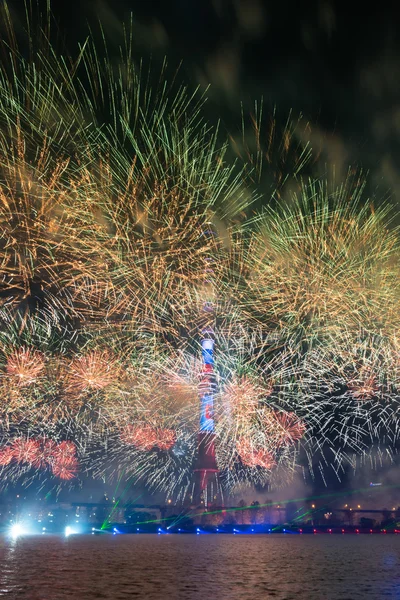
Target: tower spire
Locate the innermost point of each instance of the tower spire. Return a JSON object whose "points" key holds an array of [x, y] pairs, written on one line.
{"points": [[207, 488]]}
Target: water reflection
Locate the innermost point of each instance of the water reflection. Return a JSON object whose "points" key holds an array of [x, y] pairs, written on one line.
{"points": [[196, 567]]}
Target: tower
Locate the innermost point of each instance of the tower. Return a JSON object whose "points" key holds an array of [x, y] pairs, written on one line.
{"points": [[206, 480], [206, 490]]}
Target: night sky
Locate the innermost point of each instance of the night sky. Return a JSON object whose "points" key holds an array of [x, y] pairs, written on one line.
{"points": [[335, 63]]}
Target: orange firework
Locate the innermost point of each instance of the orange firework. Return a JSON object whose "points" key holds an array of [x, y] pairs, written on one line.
{"points": [[25, 366], [244, 395], [181, 376], [254, 457], [93, 371], [181, 390]]}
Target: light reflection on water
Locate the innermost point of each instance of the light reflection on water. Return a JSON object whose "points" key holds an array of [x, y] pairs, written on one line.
{"points": [[190, 567]]}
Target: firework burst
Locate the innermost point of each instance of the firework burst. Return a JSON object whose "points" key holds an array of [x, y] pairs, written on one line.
{"points": [[324, 263], [114, 236], [93, 371], [25, 366]]}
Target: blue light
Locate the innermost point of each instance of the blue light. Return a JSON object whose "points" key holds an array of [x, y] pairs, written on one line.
{"points": [[206, 413], [207, 351]]}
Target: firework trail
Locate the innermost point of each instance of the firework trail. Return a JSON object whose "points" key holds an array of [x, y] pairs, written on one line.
{"points": [[276, 153], [322, 263], [102, 254]]}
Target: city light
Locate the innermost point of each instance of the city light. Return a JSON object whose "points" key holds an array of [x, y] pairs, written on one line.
{"points": [[17, 530]]}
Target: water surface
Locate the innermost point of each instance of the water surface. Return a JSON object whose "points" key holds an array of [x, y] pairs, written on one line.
{"points": [[186, 567]]}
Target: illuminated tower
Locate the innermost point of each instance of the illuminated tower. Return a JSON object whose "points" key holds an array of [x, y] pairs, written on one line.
{"points": [[206, 470], [206, 485]]}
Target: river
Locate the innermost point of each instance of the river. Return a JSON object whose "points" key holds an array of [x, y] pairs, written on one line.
{"points": [[190, 567]]}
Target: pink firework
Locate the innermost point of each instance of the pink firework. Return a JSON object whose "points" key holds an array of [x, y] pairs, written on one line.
{"points": [[25, 366], [26, 451], [65, 468], [64, 451], [142, 437], [288, 428], [47, 449], [146, 438], [166, 439], [6, 456], [364, 388], [254, 457], [92, 371]]}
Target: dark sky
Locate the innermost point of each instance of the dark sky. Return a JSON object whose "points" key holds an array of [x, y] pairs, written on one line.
{"points": [[338, 63], [319, 57]]}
